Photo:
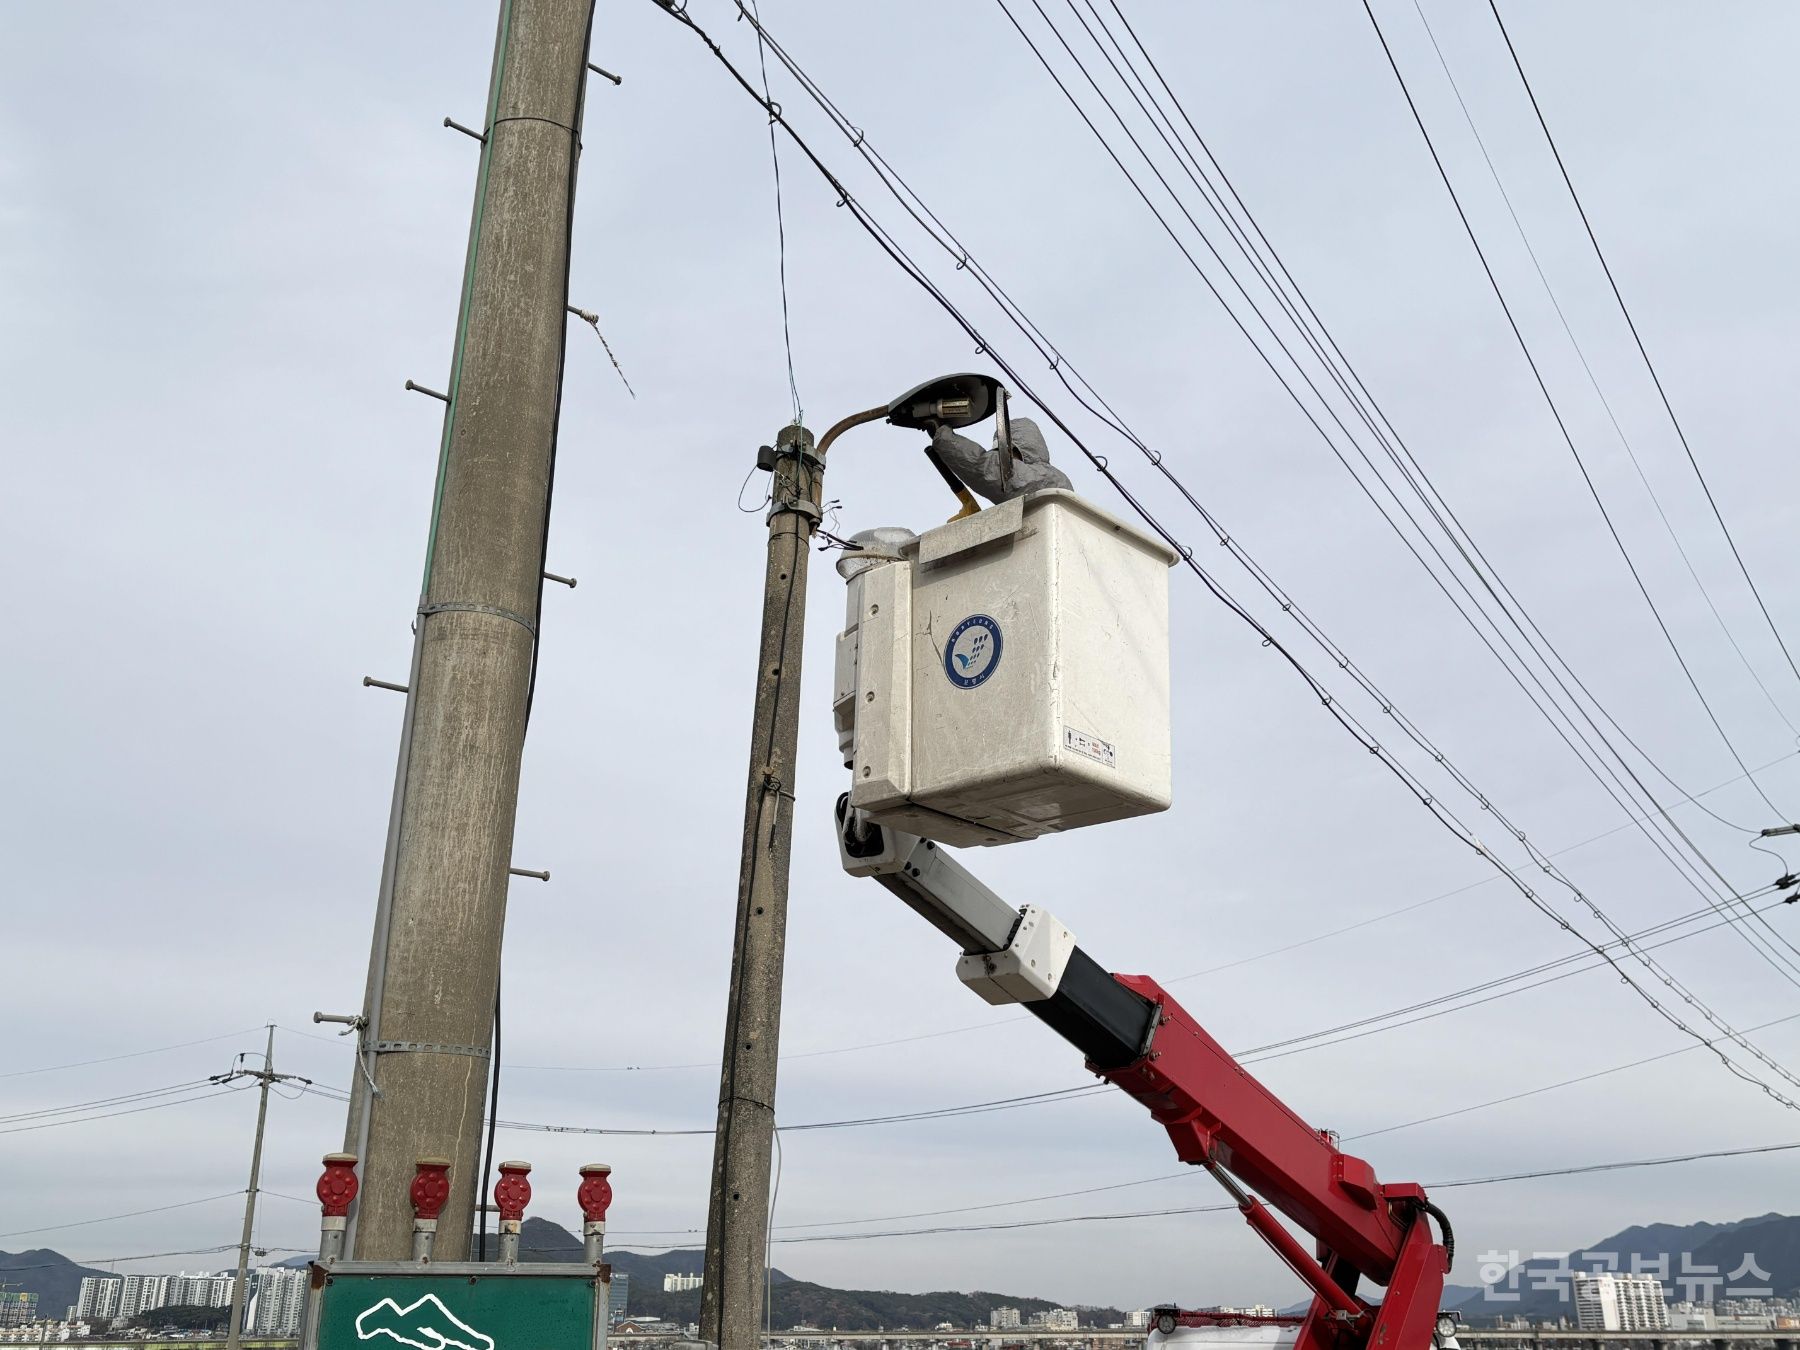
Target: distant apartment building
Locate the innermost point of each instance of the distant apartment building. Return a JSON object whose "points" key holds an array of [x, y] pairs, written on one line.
{"points": [[1003, 1319], [16, 1308], [1137, 1321], [98, 1300], [120, 1298], [1060, 1319], [618, 1296], [144, 1293], [1611, 1302], [204, 1290], [680, 1284], [277, 1297]]}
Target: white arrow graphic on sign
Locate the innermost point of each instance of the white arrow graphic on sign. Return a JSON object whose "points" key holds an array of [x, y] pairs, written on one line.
{"points": [[425, 1324]]}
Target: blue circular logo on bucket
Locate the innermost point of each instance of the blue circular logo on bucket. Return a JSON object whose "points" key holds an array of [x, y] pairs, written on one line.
{"points": [[973, 652]]}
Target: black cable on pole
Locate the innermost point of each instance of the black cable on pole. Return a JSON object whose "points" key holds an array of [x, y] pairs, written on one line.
{"points": [[493, 1111], [1347, 721], [1555, 412], [1631, 323], [787, 337]]}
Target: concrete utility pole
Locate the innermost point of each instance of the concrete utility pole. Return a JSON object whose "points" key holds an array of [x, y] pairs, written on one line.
{"points": [[731, 1296], [433, 971], [267, 1077]]}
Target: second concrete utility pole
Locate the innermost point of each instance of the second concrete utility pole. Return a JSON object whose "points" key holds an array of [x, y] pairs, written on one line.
{"points": [[731, 1294], [434, 968]]}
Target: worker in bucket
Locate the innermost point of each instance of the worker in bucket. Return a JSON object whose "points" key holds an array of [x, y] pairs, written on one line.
{"points": [[1006, 471]]}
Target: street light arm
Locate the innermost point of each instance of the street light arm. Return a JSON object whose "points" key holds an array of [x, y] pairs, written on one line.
{"points": [[969, 505], [854, 420]]}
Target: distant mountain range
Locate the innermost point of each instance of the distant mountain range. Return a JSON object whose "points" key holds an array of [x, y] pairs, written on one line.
{"points": [[1684, 1258], [54, 1278]]}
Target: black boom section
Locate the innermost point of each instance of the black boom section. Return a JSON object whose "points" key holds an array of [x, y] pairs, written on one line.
{"points": [[1096, 1014]]}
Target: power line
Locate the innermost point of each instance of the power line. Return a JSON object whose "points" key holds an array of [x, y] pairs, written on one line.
{"points": [[1413, 476], [1142, 1181], [1555, 412], [1588, 369], [147, 1093], [130, 1111], [1322, 936], [145, 1256], [1630, 323], [1131, 1215], [1789, 974], [134, 1214], [897, 1118], [787, 337], [1355, 1030], [1412, 472], [1618, 430], [1442, 814], [132, 1054], [1587, 1169], [1578, 1170], [1551, 1087], [1434, 1008]]}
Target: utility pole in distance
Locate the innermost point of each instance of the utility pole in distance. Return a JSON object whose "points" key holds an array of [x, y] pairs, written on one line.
{"points": [[427, 1024], [731, 1292], [267, 1077]]}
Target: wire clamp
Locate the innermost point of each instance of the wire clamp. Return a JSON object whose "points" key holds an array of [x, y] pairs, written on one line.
{"points": [[428, 1048], [798, 507], [470, 607]]}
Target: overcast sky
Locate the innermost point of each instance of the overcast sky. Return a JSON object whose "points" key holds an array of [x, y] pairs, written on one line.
{"points": [[230, 234]]}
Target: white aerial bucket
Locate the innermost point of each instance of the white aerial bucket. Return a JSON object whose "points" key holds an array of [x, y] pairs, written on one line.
{"points": [[1007, 675]]}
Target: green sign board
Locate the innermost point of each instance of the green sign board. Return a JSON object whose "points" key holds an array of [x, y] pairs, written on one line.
{"points": [[362, 1305]]}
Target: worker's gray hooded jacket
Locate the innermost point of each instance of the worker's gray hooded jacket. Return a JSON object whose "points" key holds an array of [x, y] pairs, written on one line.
{"points": [[985, 471]]}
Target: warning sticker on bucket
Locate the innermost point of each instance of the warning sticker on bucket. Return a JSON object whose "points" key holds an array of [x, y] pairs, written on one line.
{"points": [[1101, 752]]}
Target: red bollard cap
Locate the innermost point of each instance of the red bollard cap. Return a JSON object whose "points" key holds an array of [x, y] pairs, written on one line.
{"points": [[337, 1186], [430, 1187], [512, 1192], [595, 1193]]}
